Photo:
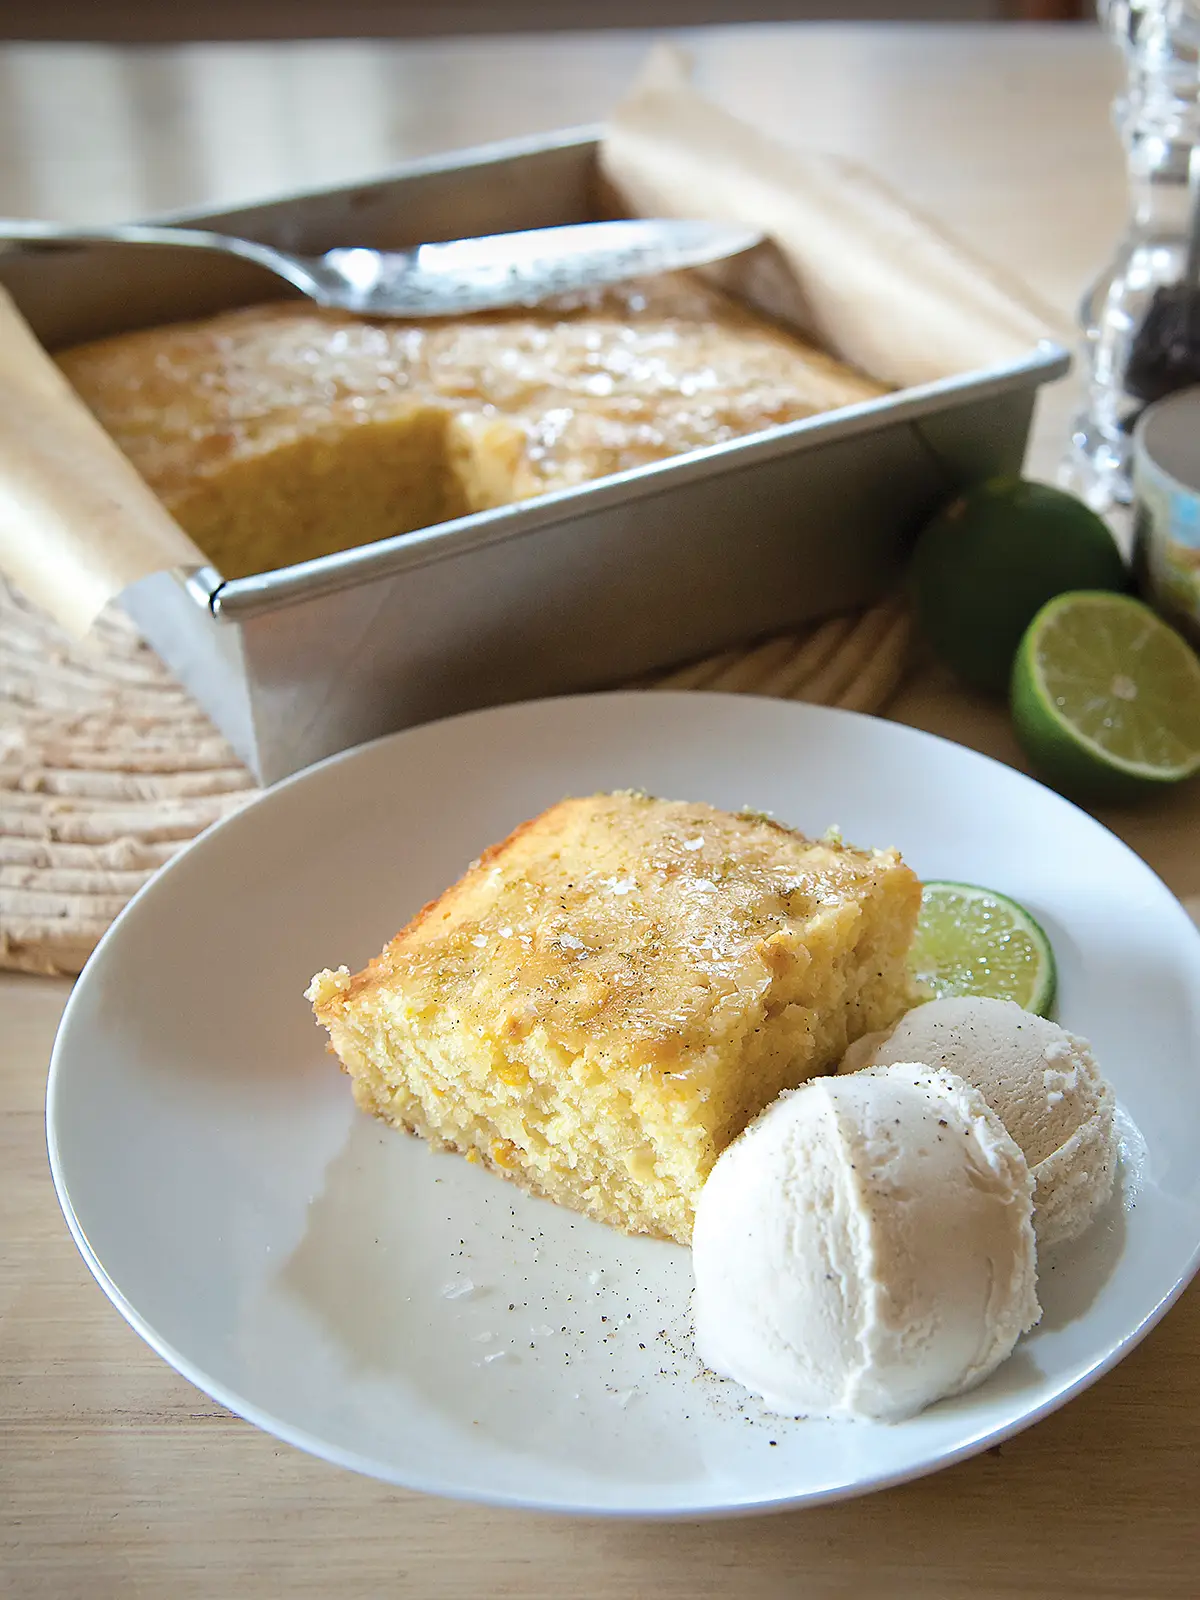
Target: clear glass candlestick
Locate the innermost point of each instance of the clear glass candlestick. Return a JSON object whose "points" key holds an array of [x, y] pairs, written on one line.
{"points": [[1134, 319]]}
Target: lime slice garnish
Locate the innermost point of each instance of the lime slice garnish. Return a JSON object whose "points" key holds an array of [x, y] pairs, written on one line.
{"points": [[974, 941], [1106, 696]]}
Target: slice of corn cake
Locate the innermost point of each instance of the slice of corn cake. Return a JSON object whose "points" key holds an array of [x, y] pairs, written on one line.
{"points": [[607, 998]]}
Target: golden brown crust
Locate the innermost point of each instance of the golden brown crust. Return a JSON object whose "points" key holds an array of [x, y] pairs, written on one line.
{"points": [[600, 914], [282, 431], [378, 966]]}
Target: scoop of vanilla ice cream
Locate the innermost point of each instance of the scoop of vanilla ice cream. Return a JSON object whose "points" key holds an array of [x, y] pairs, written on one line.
{"points": [[1041, 1081], [865, 1247]]}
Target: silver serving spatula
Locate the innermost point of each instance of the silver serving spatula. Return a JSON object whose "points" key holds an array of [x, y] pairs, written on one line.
{"points": [[437, 280]]}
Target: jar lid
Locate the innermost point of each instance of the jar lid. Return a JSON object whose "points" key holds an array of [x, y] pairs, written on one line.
{"points": [[1167, 436]]}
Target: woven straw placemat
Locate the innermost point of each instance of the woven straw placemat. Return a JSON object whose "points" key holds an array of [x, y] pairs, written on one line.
{"points": [[107, 766]]}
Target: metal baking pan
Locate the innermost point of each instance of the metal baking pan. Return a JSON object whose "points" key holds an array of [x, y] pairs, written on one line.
{"points": [[574, 590]]}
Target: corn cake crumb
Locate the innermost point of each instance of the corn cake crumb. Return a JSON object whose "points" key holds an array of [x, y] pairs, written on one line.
{"points": [[606, 999]]}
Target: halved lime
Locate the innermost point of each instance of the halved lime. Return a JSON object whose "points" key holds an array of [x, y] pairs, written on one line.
{"points": [[1106, 697], [974, 941]]}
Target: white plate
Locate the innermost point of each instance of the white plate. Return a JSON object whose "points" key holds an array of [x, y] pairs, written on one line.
{"points": [[292, 1257]]}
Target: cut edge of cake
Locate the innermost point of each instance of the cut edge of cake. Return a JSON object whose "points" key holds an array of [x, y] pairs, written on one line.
{"points": [[551, 1066]]}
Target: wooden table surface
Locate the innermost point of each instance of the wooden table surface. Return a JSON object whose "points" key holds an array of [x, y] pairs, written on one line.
{"points": [[117, 1478]]}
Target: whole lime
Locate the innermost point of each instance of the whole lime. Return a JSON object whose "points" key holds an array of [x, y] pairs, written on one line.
{"points": [[985, 566]]}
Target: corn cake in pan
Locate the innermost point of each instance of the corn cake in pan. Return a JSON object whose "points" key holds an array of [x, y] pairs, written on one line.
{"points": [[281, 432]]}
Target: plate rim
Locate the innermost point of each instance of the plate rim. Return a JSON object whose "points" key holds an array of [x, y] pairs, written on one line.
{"points": [[363, 1465]]}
